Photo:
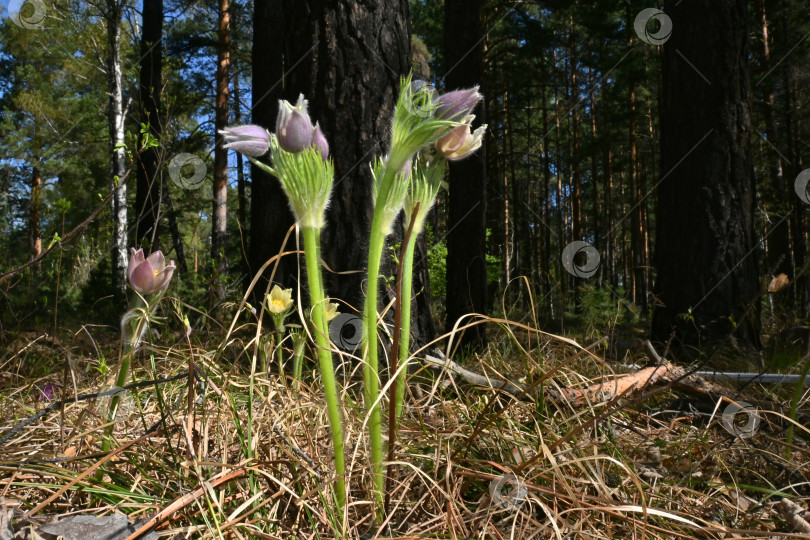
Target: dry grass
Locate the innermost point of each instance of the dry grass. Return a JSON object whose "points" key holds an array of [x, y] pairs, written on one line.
{"points": [[252, 457]]}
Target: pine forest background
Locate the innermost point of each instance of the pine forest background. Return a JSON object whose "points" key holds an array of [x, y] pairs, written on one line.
{"points": [[574, 102]]}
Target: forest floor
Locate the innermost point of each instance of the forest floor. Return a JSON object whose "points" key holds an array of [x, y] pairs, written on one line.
{"points": [[247, 454]]}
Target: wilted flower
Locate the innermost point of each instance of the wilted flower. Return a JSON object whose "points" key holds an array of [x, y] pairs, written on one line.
{"points": [[149, 275], [331, 311], [457, 105], [461, 142], [249, 140], [279, 300]]}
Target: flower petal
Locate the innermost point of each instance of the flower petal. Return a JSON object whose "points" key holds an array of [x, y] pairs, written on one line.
{"points": [[142, 278]]}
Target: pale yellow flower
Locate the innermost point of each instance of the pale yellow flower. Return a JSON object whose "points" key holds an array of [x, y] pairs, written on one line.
{"points": [[279, 301], [331, 311]]}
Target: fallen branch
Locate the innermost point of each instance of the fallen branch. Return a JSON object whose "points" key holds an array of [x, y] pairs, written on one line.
{"points": [[665, 372], [795, 515]]}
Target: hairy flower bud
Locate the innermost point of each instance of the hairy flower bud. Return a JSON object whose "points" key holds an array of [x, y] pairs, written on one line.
{"points": [[252, 141], [320, 141], [293, 127], [151, 274], [457, 105]]}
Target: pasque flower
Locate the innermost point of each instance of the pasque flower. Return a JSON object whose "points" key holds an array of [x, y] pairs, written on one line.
{"points": [[457, 105], [151, 274], [249, 140], [460, 142], [295, 131], [279, 300]]}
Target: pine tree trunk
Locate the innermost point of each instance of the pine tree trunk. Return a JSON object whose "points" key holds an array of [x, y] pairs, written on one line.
{"points": [[219, 221], [705, 261], [466, 240], [148, 193], [349, 68]]}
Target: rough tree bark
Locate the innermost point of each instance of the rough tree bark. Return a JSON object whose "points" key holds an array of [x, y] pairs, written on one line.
{"points": [[349, 68], [148, 193], [466, 239], [707, 271]]}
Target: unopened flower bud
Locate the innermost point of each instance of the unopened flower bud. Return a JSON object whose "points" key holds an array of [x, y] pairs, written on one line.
{"points": [[320, 141], [457, 105], [252, 141], [293, 126]]}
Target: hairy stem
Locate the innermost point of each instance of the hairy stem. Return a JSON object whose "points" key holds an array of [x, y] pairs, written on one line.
{"points": [[312, 238]]}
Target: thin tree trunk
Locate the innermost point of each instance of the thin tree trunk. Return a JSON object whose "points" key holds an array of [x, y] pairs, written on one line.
{"points": [[240, 174], [148, 193], [777, 200], [174, 230], [594, 182], [34, 221], [115, 124], [547, 256], [219, 219]]}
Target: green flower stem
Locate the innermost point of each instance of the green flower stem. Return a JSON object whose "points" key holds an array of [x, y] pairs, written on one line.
{"points": [[312, 237], [138, 326], [370, 367], [279, 355], [405, 319]]}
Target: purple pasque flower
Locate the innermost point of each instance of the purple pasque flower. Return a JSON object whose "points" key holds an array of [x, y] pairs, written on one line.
{"points": [[293, 126], [320, 141], [151, 274], [48, 392], [294, 129], [250, 140], [457, 105]]}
